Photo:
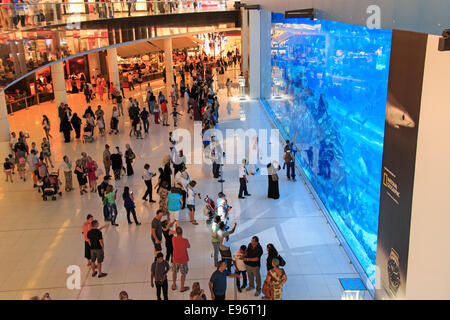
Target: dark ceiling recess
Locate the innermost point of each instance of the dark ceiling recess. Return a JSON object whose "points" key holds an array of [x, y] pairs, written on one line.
{"points": [[300, 13]]}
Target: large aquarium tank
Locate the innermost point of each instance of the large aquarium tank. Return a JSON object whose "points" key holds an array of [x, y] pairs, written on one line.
{"points": [[329, 86]]}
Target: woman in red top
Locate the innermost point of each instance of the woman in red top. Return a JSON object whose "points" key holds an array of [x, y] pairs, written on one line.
{"points": [[86, 228]]}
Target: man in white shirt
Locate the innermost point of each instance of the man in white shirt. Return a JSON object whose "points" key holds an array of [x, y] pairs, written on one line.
{"points": [[182, 179], [147, 177], [222, 207], [66, 166], [243, 179], [216, 156]]}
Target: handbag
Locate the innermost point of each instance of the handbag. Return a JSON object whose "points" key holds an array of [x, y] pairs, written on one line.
{"points": [[274, 177], [267, 290]]}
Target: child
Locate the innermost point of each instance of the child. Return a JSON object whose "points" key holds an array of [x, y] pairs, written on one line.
{"points": [[138, 129], [175, 114], [7, 168], [190, 200], [101, 126], [12, 161], [240, 268]]}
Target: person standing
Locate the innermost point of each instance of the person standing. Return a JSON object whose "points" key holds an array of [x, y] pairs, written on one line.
{"points": [[157, 232], [129, 157], [167, 172], [272, 176], [147, 177], [87, 226], [239, 267], [116, 163], [66, 166], [190, 201], [107, 159], [276, 278], [46, 126], [228, 84], [76, 124], [102, 191], [168, 236], [218, 281], [174, 202], [81, 176], [91, 167], [95, 240], [144, 116], [130, 77], [253, 265], [289, 158], [159, 271], [128, 202], [224, 237], [215, 239], [243, 179], [110, 196], [46, 152], [180, 259]]}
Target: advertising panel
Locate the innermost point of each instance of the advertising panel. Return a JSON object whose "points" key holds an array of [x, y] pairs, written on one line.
{"points": [[397, 177]]}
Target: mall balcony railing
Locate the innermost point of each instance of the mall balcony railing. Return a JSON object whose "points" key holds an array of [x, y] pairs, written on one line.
{"points": [[62, 35], [28, 16]]}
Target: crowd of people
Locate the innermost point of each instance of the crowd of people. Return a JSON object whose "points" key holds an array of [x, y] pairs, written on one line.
{"points": [[176, 188]]}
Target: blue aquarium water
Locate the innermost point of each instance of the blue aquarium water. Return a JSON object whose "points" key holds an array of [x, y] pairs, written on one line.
{"points": [[329, 84]]}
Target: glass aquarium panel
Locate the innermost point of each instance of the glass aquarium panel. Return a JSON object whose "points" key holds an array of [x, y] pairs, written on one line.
{"points": [[329, 86]]}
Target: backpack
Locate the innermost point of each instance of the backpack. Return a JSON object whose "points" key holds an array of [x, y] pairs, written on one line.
{"points": [[287, 157]]}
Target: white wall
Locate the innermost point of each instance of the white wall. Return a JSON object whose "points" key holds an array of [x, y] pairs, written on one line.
{"points": [[254, 53], [428, 274]]}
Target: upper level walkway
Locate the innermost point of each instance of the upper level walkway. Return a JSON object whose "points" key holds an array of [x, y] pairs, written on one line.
{"points": [[67, 31]]}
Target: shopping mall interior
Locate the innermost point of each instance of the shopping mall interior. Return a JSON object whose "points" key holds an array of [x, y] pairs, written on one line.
{"points": [[314, 128]]}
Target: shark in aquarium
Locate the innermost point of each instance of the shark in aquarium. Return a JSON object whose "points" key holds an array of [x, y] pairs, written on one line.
{"points": [[396, 114]]}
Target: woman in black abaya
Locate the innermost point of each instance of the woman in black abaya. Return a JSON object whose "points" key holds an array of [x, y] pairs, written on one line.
{"points": [[272, 175], [66, 127]]}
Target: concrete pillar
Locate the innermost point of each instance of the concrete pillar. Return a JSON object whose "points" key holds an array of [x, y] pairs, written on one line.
{"points": [[254, 56], [21, 57], [59, 83], [14, 56], [4, 122], [113, 67], [169, 65], [94, 64], [244, 39], [266, 56]]}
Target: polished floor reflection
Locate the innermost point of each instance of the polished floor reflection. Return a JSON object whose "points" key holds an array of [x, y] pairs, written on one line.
{"points": [[40, 240]]}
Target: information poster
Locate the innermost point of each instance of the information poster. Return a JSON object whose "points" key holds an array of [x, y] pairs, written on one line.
{"points": [[399, 154]]}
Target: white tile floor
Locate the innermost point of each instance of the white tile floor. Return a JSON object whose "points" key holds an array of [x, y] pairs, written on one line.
{"points": [[39, 240]]}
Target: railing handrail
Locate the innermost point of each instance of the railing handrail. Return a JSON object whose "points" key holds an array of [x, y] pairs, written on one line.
{"points": [[106, 1]]}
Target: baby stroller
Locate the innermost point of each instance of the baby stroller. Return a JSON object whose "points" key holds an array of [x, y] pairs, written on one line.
{"points": [[210, 210], [88, 134], [50, 187]]}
